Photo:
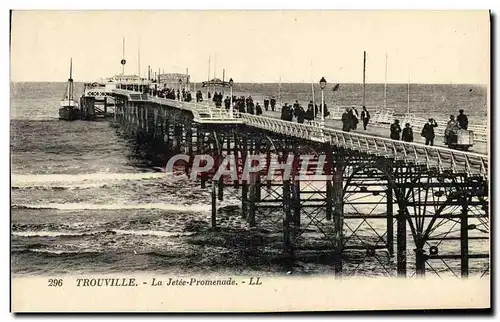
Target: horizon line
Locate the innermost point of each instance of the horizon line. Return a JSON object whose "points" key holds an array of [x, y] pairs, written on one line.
{"points": [[277, 82]]}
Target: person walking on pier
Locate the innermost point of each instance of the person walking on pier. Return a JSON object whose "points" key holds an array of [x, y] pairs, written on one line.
{"points": [[346, 120], [199, 96], [395, 130], [365, 117], [299, 114], [266, 104], [273, 103], [284, 112], [428, 132], [326, 113], [310, 106], [309, 114], [355, 117], [451, 129], [462, 120], [407, 134], [258, 109]]}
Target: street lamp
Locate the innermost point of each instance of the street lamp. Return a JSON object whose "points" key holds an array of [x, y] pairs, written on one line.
{"points": [[231, 82], [322, 84], [180, 88]]}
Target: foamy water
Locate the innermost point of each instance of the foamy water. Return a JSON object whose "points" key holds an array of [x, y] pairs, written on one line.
{"points": [[84, 206]]}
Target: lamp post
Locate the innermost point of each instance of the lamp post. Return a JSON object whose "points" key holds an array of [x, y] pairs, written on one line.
{"points": [[231, 82], [322, 84], [180, 89]]}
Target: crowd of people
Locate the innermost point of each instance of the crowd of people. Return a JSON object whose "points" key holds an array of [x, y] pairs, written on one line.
{"points": [[428, 132], [350, 117], [170, 93], [288, 112]]}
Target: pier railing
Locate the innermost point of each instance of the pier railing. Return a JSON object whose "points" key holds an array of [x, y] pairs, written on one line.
{"points": [[441, 159], [201, 112]]}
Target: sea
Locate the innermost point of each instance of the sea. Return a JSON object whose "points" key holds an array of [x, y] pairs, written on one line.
{"points": [[85, 199]]}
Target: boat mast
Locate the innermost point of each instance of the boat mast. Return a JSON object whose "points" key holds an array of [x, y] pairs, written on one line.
{"points": [[70, 82], [385, 84], [408, 98], [312, 89], [364, 76], [279, 92], [123, 56], [139, 60], [208, 74]]}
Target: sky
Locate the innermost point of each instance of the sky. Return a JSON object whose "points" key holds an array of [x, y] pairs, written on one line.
{"points": [[255, 46]]}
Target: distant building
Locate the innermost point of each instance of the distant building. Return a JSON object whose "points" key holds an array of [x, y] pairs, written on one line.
{"points": [[175, 80]]}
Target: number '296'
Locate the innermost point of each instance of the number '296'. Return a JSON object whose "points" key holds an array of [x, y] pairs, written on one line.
{"points": [[54, 282]]}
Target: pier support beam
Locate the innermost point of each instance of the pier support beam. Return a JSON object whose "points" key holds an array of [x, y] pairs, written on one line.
{"points": [[401, 243], [338, 217], [287, 221], [464, 240], [390, 221]]}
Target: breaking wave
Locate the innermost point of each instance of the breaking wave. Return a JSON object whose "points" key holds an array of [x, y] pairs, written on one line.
{"points": [[147, 206]]}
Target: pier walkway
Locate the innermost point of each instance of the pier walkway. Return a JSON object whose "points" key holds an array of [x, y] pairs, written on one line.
{"points": [[373, 141]]}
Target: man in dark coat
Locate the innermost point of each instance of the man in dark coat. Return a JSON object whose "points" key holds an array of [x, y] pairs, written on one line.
{"points": [[309, 114], [284, 112], [462, 120], [300, 114], [395, 130], [273, 103], [325, 111], [428, 132], [346, 121], [266, 104], [258, 109], [365, 117], [407, 135]]}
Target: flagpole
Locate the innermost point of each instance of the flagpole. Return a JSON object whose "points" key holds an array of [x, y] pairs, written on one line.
{"points": [[385, 84], [408, 99], [312, 89], [208, 74], [279, 91], [364, 76]]}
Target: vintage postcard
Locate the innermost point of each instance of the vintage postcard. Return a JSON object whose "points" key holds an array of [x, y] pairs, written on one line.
{"points": [[249, 161]]}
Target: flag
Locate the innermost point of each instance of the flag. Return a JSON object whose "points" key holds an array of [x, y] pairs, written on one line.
{"points": [[336, 88]]}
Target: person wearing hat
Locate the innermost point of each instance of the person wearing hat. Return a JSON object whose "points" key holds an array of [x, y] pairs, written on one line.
{"points": [[451, 129], [395, 130], [407, 134], [355, 117], [273, 103], [346, 120], [266, 103], [428, 132], [365, 117], [462, 120]]}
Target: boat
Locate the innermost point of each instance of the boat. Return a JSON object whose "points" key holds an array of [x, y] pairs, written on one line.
{"points": [[68, 110]]}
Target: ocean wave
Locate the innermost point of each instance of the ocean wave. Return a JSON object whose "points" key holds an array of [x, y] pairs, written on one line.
{"points": [[78, 180], [145, 206], [156, 233], [45, 233], [57, 252]]}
